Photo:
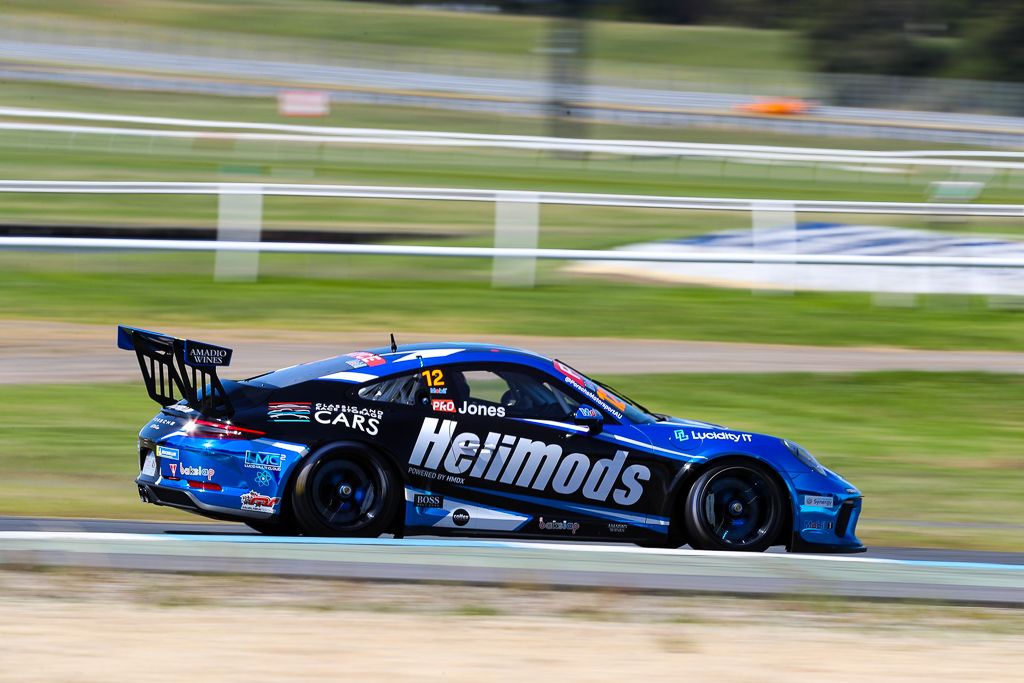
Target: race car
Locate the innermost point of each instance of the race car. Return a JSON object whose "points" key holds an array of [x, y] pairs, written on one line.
{"points": [[467, 439]]}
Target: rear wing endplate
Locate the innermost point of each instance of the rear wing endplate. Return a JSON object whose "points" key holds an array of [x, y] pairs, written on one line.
{"points": [[176, 369]]}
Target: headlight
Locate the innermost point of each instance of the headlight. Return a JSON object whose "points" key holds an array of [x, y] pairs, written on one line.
{"points": [[804, 456]]}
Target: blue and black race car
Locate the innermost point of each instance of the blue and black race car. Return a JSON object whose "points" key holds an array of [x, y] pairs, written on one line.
{"points": [[467, 439]]}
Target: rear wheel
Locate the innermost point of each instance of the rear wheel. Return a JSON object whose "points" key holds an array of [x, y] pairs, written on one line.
{"points": [[345, 492], [734, 506]]}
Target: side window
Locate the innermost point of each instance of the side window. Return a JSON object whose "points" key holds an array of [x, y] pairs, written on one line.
{"points": [[518, 394], [403, 389]]}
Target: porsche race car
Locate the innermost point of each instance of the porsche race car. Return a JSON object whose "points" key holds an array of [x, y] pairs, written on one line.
{"points": [[467, 439]]}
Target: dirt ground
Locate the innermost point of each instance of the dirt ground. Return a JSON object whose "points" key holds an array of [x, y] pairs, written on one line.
{"points": [[53, 352], [108, 627]]}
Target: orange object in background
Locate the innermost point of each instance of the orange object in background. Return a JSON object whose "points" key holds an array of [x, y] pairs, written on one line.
{"points": [[779, 106]]}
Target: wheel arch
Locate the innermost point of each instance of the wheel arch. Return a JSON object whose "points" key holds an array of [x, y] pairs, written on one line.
{"points": [[367, 447], [684, 480]]}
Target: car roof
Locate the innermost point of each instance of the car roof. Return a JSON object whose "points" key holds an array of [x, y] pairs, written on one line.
{"points": [[359, 367]]}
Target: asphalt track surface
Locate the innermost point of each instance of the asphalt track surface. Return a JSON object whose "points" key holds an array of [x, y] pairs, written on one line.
{"points": [[883, 573], [407, 85], [41, 352]]}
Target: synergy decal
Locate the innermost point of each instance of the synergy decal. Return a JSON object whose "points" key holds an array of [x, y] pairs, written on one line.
{"points": [[363, 359], [820, 501], [264, 461], [258, 502], [428, 500], [288, 412], [362, 419], [519, 461], [563, 525], [192, 471]]}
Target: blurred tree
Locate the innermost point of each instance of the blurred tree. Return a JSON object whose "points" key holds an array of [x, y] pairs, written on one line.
{"points": [[891, 37], [993, 45]]}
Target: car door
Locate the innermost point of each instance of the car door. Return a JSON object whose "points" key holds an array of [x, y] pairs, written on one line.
{"points": [[508, 440]]}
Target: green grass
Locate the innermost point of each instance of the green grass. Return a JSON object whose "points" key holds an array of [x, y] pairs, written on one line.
{"points": [[922, 447], [410, 28], [456, 297]]}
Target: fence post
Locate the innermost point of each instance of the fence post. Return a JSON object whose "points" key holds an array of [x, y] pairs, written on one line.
{"points": [[773, 223], [516, 226], [239, 218]]}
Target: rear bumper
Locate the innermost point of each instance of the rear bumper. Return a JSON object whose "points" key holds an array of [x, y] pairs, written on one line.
{"points": [[183, 499]]}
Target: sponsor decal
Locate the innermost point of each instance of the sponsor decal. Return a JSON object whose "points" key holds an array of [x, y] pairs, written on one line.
{"points": [[598, 396], [479, 409], [587, 413], [429, 500], [680, 435], [263, 478], [199, 354], [438, 391], [174, 469], [193, 471], [363, 359], [442, 405], [569, 372], [823, 526], [361, 419], [720, 436], [162, 421], [434, 379], [442, 451], [562, 525], [264, 461], [460, 517], [820, 501], [616, 528], [288, 412], [169, 453], [258, 502]]}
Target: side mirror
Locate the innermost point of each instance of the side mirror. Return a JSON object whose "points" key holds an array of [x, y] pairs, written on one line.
{"points": [[589, 417]]}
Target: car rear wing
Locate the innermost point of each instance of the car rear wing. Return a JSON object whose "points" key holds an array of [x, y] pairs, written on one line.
{"points": [[176, 369]]}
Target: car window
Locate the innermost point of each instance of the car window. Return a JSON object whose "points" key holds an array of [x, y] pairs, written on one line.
{"points": [[403, 389], [520, 394]]}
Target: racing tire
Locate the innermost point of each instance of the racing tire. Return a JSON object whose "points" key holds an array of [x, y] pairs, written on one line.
{"points": [[734, 506], [345, 491]]}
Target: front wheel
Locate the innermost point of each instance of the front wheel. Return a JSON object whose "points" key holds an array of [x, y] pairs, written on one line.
{"points": [[345, 492], [734, 507]]}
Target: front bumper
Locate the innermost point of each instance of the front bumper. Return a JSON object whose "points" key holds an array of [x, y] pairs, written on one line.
{"points": [[825, 515]]}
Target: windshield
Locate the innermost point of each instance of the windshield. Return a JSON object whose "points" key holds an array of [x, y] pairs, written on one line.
{"points": [[610, 400]]}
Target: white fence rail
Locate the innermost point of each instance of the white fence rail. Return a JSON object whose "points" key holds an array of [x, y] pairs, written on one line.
{"points": [[516, 229], [168, 127], [487, 195], [499, 252]]}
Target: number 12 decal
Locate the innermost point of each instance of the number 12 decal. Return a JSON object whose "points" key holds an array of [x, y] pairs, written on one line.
{"points": [[435, 378]]}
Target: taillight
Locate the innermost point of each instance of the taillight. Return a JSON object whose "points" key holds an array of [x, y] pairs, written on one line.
{"points": [[203, 485], [210, 429]]}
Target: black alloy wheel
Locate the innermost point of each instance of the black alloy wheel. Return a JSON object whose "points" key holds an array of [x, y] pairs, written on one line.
{"points": [[734, 507], [347, 492]]}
